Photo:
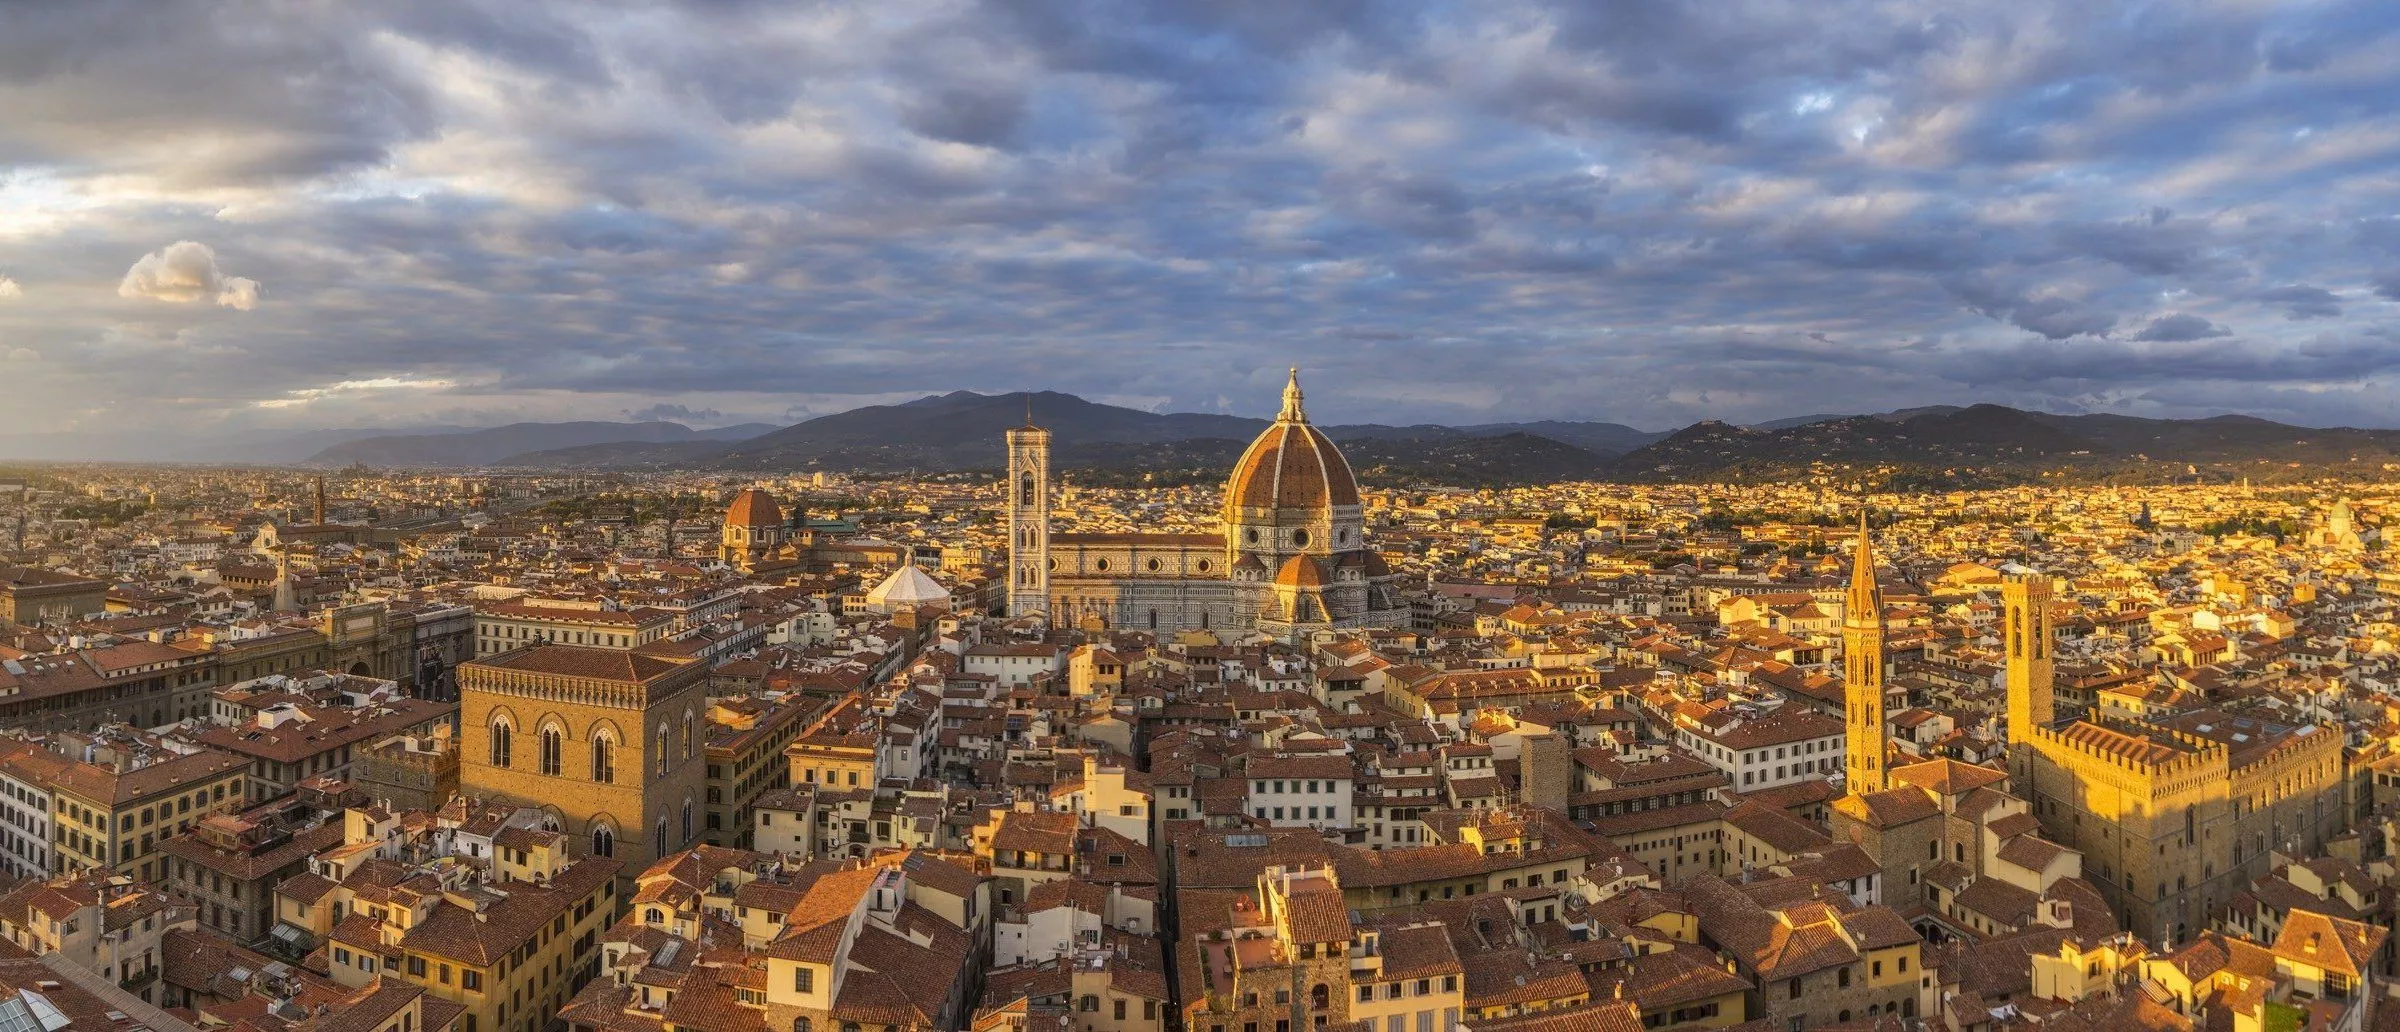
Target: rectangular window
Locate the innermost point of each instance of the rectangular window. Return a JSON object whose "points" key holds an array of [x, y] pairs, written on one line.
{"points": [[804, 980]]}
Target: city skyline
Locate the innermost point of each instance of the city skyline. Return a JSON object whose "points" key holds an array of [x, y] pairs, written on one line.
{"points": [[1200, 516], [1637, 214]]}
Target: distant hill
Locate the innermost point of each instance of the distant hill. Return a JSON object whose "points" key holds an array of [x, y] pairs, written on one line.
{"points": [[1994, 443], [1605, 439], [278, 447], [964, 430], [1925, 446], [493, 446], [1791, 422]]}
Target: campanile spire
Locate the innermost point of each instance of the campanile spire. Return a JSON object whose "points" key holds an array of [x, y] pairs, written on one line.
{"points": [[1862, 670]]}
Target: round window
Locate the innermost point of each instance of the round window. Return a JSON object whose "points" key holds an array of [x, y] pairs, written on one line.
{"points": [[1051, 565], [1154, 566], [1203, 566], [1250, 536], [1101, 566], [1300, 538]]}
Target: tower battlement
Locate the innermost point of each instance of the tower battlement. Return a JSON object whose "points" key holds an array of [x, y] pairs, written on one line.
{"points": [[2142, 754]]}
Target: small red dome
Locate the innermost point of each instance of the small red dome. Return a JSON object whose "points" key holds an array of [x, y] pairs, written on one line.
{"points": [[753, 508], [1301, 571]]}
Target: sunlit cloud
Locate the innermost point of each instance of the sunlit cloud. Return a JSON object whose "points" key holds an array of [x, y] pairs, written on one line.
{"points": [[307, 395], [184, 272]]}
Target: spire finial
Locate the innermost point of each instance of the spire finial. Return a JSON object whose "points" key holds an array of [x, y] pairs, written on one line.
{"points": [[1291, 400], [1864, 593]]}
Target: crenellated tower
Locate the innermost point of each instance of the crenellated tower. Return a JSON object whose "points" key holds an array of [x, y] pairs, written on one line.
{"points": [[1862, 669], [1028, 519]]}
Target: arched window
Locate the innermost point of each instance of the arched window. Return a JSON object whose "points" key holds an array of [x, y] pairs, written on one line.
{"points": [[500, 743], [691, 735], [553, 745], [659, 840], [604, 841], [687, 821], [1320, 997], [604, 759], [658, 762], [802, 1024], [654, 915]]}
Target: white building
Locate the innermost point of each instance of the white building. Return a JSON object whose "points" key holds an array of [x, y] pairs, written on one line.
{"points": [[1784, 747], [1301, 791], [1014, 666], [25, 816]]}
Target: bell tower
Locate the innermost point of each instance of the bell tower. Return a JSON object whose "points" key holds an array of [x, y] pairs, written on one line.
{"points": [[2032, 676], [1862, 669], [1028, 519]]}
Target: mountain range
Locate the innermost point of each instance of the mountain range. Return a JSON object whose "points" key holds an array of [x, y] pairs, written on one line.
{"points": [[500, 444], [962, 431], [1994, 444]]}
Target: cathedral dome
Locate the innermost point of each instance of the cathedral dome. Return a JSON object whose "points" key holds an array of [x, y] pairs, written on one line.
{"points": [[1292, 465], [753, 508]]}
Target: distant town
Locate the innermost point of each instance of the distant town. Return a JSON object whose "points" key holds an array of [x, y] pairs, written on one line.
{"points": [[1032, 748]]}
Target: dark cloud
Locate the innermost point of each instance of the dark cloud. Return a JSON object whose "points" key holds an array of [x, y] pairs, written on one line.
{"points": [[1645, 211], [673, 414], [2301, 301], [2177, 327]]}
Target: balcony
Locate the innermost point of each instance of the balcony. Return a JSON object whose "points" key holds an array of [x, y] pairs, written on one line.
{"points": [[134, 982]]}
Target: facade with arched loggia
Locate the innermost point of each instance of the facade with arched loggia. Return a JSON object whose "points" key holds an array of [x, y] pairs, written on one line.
{"points": [[611, 743]]}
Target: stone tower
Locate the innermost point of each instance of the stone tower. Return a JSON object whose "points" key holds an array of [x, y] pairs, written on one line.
{"points": [[2025, 599], [1862, 668], [1546, 770], [1028, 519], [2031, 678]]}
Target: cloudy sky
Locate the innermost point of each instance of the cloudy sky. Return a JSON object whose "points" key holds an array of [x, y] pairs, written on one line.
{"points": [[227, 216]]}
